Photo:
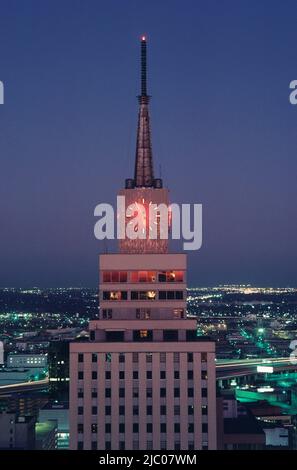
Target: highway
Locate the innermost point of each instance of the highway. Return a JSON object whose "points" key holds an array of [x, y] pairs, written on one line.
{"points": [[226, 369]]}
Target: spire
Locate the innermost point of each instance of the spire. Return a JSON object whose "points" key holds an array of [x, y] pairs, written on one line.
{"points": [[144, 173]]}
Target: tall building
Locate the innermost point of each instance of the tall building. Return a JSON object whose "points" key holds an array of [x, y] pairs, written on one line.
{"points": [[145, 380]]}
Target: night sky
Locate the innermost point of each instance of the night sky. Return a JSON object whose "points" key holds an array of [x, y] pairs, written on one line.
{"points": [[224, 133]]}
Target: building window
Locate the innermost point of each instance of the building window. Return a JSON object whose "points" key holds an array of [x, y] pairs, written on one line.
{"points": [[108, 410], [176, 374], [80, 375], [176, 410], [94, 428], [162, 392], [107, 375], [121, 427], [190, 357], [92, 335], [135, 411], [94, 392], [135, 445], [190, 392], [203, 357], [106, 313], [149, 410], [162, 357], [142, 335], [149, 392], [80, 445], [135, 392], [94, 445], [204, 374], [143, 313], [94, 357], [135, 428], [107, 445], [171, 295], [135, 374], [121, 410], [204, 392], [80, 410], [108, 393], [170, 276], [163, 409], [204, 409], [122, 445], [94, 375], [163, 427], [190, 427], [115, 295], [204, 427], [143, 276], [176, 445], [175, 357], [80, 393], [149, 427], [178, 313], [80, 358], [107, 428], [190, 374], [190, 410], [149, 445], [94, 410], [176, 427], [134, 357], [122, 392], [171, 335], [121, 357], [176, 392], [163, 445], [143, 295], [114, 336], [80, 428], [148, 374], [114, 276], [149, 357], [121, 375], [108, 357], [162, 374], [191, 445]]}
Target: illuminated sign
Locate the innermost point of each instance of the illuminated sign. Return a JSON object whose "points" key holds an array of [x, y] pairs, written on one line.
{"points": [[265, 369]]}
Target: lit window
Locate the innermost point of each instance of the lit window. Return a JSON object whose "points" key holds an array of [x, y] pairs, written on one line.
{"points": [[143, 333], [151, 294]]}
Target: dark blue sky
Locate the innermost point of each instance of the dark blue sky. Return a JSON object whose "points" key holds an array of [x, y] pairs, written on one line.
{"points": [[223, 129]]}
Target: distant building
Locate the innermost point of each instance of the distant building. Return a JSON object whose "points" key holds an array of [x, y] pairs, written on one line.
{"points": [[1, 353], [59, 412], [24, 404], [27, 360], [58, 363], [17, 432], [276, 436], [46, 435], [239, 429], [10, 376]]}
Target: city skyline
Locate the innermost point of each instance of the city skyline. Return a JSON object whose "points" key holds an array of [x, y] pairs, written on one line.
{"points": [[220, 106]]}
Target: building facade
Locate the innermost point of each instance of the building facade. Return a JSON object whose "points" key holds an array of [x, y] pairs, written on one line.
{"points": [[145, 380]]}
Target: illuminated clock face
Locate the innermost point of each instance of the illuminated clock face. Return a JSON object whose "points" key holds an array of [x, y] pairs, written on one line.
{"points": [[141, 210]]}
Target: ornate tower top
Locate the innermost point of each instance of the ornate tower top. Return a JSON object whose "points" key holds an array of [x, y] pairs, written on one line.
{"points": [[143, 171]]}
